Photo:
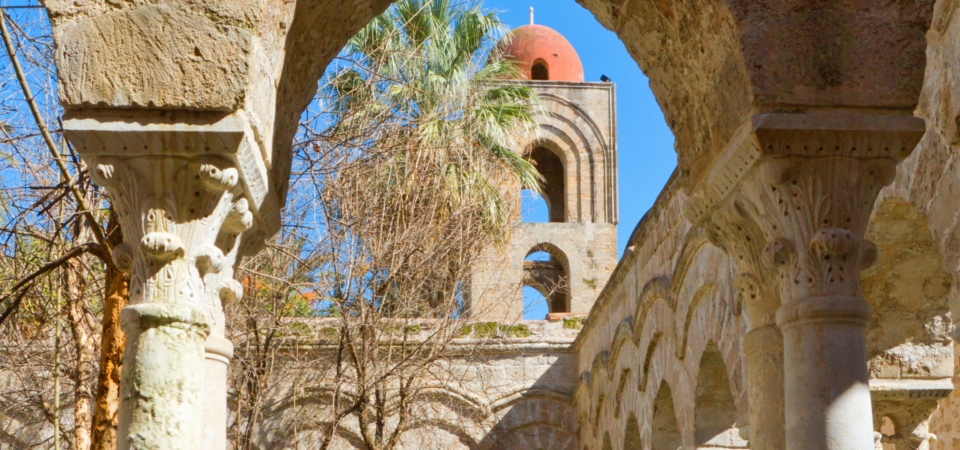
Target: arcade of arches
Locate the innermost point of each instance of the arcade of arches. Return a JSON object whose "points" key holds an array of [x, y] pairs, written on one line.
{"points": [[792, 287]]}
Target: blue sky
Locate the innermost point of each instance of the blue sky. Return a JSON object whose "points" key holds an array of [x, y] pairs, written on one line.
{"points": [[645, 144], [646, 157]]}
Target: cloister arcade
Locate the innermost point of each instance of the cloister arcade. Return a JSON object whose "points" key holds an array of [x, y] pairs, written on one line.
{"points": [[803, 256]]}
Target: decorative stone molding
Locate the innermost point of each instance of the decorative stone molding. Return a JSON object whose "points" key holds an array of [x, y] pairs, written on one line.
{"points": [[808, 183], [909, 405], [188, 189]]}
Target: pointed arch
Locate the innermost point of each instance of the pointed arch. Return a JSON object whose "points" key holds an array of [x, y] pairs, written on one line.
{"points": [[715, 412], [551, 278], [665, 433], [631, 437]]}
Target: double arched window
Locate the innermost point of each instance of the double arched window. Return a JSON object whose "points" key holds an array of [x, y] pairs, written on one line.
{"points": [[546, 274]]}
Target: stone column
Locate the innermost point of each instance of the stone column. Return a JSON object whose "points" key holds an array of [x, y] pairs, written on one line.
{"points": [[814, 190], [182, 185], [218, 351], [809, 182], [763, 348], [731, 227]]}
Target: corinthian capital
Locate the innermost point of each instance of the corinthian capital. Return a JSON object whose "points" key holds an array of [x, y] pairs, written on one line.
{"points": [[187, 189], [794, 193]]}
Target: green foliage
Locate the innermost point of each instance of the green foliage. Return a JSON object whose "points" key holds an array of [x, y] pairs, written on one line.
{"points": [[328, 333], [300, 329], [431, 68], [573, 323], [494, 329]]}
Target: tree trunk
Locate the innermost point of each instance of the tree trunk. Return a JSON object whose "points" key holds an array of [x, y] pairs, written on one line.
{"points": [[115, 298], [83, 340], [85, 348]]}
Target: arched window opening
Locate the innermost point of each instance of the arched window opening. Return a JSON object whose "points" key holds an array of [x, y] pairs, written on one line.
{"points": [[539, 71], [665, 433], [553, 188], [889, 431], [545, 276], [535, 305], [714, 413], [631, 436], [533, 207], [607, 445]]}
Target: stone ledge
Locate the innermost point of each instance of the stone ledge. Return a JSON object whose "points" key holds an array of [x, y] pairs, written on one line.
{"points": [[907, 388]]}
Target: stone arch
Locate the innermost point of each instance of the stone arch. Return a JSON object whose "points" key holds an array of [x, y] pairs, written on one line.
{"points": [[534, 422], [676, 319], [437, 435], [664, 429], [594, 177], [575, 151], [714, 409], [631, 436], [550, 278], [551, 166]]}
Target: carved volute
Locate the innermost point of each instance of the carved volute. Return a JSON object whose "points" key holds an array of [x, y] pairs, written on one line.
{"points": [[807, 183], [184, 192]]}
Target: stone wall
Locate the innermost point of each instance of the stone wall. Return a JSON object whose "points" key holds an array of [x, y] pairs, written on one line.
{"points": [[578, 125], [669, 301], [506, 394]]}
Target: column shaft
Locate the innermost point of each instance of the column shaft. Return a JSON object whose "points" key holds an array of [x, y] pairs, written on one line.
{"points": [[162, 374], [218, 353], [763, 348], [827, 393]]}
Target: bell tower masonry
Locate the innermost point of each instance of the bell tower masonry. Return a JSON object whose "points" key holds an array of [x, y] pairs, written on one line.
{"points": [[576, 152]]}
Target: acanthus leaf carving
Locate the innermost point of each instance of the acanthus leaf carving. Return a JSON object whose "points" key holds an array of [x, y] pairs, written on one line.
{"points": [[183, 217]]}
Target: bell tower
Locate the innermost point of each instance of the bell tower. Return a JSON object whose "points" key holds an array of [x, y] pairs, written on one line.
{"points": [[576, 152]]}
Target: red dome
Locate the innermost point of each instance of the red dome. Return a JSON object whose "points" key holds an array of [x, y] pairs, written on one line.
{"points": [[543, 54]]}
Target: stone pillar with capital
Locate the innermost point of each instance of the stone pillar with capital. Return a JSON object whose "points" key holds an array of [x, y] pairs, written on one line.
{"points": [[183, 185], [809, 182], [731, 227]]}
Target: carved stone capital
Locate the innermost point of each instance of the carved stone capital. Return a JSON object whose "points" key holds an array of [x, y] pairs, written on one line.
{"points": [[733, 228], [808, 183], [908, 404], [190, 192]]}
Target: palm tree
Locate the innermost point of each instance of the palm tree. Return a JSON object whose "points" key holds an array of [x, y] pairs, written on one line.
{"points": [[432, 69], [413, 172]]}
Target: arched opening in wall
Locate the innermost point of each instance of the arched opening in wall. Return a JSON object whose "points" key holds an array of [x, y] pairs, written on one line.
{"points": [[607, 445], [553, 189], [631, 436], [540, 71], [714, 412], [545, 282], [888, 430], [665, 434], [533, 207]]}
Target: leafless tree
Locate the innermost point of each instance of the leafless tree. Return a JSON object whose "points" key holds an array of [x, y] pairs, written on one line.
{"points": [[55, 271], [405, 173]]}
